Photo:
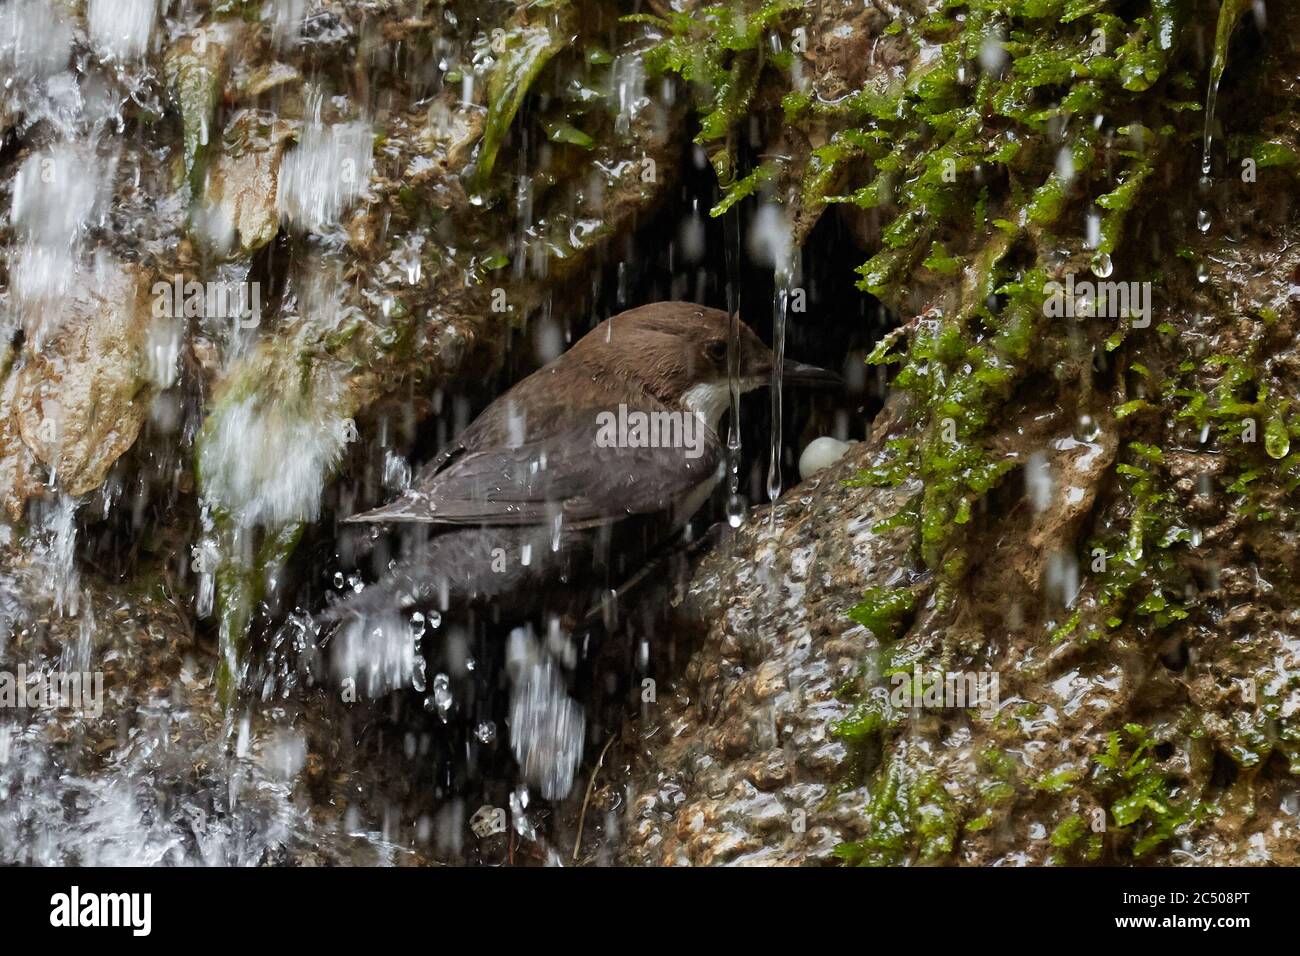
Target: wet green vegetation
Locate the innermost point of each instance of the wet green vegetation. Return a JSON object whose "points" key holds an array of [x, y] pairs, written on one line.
{"points": [[1019, 145]]}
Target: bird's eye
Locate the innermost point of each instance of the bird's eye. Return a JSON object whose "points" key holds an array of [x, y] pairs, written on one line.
{"points": [[716, 351]]}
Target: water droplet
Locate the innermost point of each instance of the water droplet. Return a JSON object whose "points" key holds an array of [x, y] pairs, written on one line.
{"points": [[1203, 220], [735, 510], [417, 655], [486, 732], [1277, 439], [1092, 231], [518, 805], [1102, 266], [442, 699], [1087, 429], [1065, 165], [993, 55], [1038, 481], [780, 309], [1202, 272]]}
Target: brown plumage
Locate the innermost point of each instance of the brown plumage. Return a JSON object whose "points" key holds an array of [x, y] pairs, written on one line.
{"points": [[529, 477]]}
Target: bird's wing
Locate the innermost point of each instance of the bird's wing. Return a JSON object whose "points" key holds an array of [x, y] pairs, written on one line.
{"points": [[566, 477]]}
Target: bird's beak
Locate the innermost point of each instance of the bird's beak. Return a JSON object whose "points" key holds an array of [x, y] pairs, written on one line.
{"points": [[797, 373]]}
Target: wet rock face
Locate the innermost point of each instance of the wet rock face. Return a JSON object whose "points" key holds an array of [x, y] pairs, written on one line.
{"points": [[82, 400], [778, 740], [737, 763], [184, 143], [140, 767], [1127, 574]]}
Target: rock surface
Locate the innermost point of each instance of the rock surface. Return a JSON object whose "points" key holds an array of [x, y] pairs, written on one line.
{"points": [[1127, 581]]}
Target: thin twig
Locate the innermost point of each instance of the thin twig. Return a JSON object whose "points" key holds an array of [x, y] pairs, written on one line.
{"points": [[591, 785]]}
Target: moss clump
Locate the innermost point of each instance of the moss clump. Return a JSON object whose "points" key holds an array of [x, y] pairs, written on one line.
{"points": [[908, 815], [952, 130], [195, 70], [240, 586], [1145, 803], [885, 611], [932, 146], [721, 50], [525, 49]]}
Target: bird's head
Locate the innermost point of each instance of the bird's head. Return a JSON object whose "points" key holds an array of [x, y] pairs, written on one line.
{"points": [[678, 351]]}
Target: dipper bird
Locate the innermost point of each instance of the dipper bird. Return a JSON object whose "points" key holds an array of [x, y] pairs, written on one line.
{"points": [[564, 484], [559, 491]]}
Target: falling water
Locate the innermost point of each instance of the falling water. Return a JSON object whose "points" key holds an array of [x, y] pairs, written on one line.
{"points": [[770, 243], [1206, 182], [1207, 142], [1229, 13], [780, 309], [325, 173], [735, 504]]}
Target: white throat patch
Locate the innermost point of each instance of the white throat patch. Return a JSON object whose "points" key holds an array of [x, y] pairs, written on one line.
{"points": [[710, 399]]}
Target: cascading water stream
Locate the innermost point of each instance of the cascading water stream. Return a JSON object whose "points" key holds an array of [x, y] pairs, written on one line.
{"points": [[1230, 12], [780, 311], [735, 504]]}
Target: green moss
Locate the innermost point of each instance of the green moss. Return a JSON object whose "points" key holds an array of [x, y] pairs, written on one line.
{"points": [[528, 48], [1069, 831], [1144, 803], [866, 723], [1274, 153], [742, 188], [195, 74], [240, 586], [885, 610], [907, 813], [283, 381], [720, 50], [1230, 13], [569, 134], [961, 368], [939, 261], [1119, 201], [1058, 781]]}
